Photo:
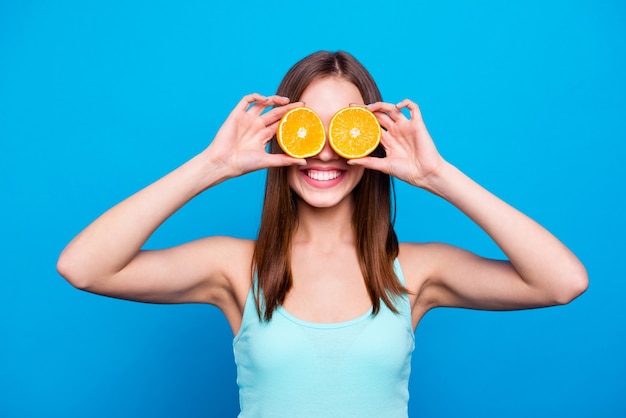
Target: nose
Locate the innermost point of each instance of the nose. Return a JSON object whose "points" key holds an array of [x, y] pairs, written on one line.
{"points": [[327, 153]]}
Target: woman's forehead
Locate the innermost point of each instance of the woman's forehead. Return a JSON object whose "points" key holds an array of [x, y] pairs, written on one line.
{"points": [[328, 95]]}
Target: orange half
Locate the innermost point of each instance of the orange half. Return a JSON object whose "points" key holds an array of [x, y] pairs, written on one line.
{"points": [[354, 132], [301, 133]]}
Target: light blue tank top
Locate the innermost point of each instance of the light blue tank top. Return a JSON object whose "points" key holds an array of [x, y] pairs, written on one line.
{"points": [[288, 367]]}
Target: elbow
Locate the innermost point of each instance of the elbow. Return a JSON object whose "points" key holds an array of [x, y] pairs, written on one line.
{"points": [[576, 282], [67, 268]]}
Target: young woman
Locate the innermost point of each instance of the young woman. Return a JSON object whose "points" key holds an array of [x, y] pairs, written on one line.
{"points": [[324, 304]]}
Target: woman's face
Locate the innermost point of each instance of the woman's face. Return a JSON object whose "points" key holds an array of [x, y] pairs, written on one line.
{"points": [[326, 179]]}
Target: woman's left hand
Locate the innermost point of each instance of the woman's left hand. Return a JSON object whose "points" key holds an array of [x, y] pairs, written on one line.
{"points": [[411, 152], [541, 271]]}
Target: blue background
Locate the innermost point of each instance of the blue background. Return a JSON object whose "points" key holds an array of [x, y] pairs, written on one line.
{"points": [[100, 98]]}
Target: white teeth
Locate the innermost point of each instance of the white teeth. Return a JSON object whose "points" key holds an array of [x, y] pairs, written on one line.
{"points": [[323, 175]]}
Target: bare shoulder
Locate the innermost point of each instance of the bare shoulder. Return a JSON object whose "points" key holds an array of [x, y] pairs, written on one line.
{"points": [[215, 270], [420, 262], [231, 261], [423, 258], [233, 256], [228, 249]]}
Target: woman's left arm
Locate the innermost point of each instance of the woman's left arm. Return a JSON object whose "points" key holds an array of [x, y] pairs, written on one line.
{"points": [[540, 270]]}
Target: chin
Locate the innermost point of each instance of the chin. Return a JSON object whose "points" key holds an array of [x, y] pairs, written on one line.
{"points": [[319, 202]]}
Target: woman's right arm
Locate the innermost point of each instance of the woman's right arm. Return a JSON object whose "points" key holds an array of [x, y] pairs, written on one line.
{"points": [[107, 256]]}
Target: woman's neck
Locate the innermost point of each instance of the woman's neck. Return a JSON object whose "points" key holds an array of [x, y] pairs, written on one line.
{"points": [[325, 226]]}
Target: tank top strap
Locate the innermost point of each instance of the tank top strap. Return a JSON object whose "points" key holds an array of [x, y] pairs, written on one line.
{"points": [[403, 302], [249, 310], [398, 270]]}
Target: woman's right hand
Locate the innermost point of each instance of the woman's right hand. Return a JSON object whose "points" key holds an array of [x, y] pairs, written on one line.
{"points": [[106, 257], [240, 144]]}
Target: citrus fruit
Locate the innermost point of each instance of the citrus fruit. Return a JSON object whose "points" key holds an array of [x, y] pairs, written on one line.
{"points": [[301, 133], [354, 132]]}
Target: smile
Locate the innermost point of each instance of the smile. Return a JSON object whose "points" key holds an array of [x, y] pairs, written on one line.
{"points": [[323, 175]]}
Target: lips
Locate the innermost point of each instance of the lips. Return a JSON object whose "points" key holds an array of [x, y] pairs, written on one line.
{"points": [[323, 175]]}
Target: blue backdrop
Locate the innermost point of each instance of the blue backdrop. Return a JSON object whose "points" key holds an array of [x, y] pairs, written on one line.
{"points": [[100, 98]]}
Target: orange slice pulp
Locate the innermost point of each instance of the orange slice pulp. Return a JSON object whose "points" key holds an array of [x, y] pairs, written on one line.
{"points": [[354, 132], [300, 133]]}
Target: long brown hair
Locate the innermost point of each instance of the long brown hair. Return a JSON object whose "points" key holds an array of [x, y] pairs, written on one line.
{"points": [[372, 221]]}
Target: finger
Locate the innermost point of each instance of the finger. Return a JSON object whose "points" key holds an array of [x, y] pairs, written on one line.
{"points": [[268, 133], [283, 160], [278, 100], [414, 109], [391, 110], [274, 115], [247, 100], [386, 139], [375, 107], [384, 120], [373, 163], [260, 107]]}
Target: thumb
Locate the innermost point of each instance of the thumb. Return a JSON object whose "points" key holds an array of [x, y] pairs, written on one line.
{"points": [[373, 163], [282, 160]]}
